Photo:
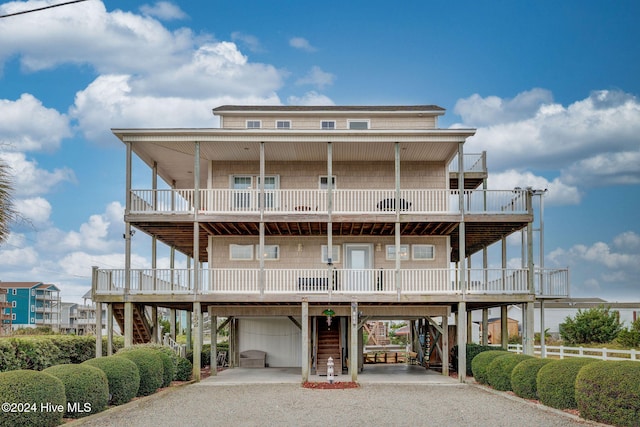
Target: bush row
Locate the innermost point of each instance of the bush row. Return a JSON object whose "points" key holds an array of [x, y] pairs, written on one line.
{"points": [[603, 391], [77, 390], [40, 352]]}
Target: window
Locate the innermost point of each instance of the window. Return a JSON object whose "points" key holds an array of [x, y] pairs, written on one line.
{"points": [[254, 124], [33, 320], [423, 252], [13, 316], [335, 254], [33, 307], [14, 304], [283, 124], [324, 180], [271, 252], [327, 124], [358, 124], [14, 291], [33, 292], [241, 252], [242, 199], [404, 252]]}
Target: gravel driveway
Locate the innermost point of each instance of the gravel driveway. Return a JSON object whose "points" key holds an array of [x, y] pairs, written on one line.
{"points": [[205, 404]]}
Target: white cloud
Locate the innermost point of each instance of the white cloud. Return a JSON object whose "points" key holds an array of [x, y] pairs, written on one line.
{"points": [[35, 210], [310, 98], [628, 240], [30, 180], [250, 41], [163, 10], [317, 77], [301, 43], [27, 125], [18, 257], [593, 142], [559, 193]]}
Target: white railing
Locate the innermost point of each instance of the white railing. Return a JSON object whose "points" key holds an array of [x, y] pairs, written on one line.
{"points": [[179, 349], [561, 352], [355, 201], [474, 162], [312, 281], [551, 283]]}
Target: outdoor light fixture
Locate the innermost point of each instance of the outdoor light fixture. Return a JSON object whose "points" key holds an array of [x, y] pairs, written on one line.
{"points": [[329, 313]]}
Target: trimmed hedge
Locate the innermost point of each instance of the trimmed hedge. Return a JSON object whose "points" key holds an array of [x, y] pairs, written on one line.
{"points": [[169, 361], [185, 370], [481, 362], [86, 388], [556, 382], [609, 392], [499, 370], [150, 368], [523, 377], [205, 355], [32, 388], [122, 375], [472, 351]]}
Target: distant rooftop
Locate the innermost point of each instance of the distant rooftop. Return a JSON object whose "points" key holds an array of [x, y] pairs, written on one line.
{"points": [[336, 108]]}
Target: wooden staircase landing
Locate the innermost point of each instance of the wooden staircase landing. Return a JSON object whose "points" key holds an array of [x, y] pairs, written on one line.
{"points": [[328, 346], [141, 326]]}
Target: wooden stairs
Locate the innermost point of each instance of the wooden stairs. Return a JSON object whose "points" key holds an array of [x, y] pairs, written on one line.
{"points": [[328, 346], [141, 326]]}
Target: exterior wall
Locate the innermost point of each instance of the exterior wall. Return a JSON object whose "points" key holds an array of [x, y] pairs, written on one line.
{"points": [[278, 337], [309, 255], [349, 175], [22, 310], [313, 122]]}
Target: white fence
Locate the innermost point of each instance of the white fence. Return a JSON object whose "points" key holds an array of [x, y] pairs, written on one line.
{"points": [[561, 352], [355, 201]]}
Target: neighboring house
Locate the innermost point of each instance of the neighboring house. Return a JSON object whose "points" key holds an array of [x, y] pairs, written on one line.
{"points": [[292, 218], [6, 313], [32, 304]]}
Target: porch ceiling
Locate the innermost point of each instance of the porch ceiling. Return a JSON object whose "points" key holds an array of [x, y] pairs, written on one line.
{"points": [[180, 234]]}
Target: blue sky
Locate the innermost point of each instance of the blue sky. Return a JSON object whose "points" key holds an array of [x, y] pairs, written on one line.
{"points": [[552, 88]]}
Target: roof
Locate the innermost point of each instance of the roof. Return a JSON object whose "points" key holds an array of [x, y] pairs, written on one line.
{"points": [[329, 108], [19, 284]]}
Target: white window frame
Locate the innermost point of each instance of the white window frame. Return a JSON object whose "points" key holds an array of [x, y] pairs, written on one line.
{"points": [[288, 124], [253, 122], [266, 252], [33, 320], [234, 245], [418, 247], [13, 316], [323, 127], [14, 291], [14, 304], [390, 252], [324, 254], [367, 121], [33, 292], [326, 184]]}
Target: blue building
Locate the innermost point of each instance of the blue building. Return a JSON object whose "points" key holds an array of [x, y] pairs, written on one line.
{"points": [[31, 304]]}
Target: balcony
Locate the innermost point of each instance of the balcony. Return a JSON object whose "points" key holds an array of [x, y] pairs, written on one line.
{"points": [[306, 202], [326, 281]]}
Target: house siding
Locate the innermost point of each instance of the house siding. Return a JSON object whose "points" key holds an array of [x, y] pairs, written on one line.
{"points": [[280, 338], [313, 122]]}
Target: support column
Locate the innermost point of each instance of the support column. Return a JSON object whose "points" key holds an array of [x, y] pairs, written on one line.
{"points": [[154, 324], [99, 329], [197, 345], [109, 329], [305, 340], [353, 345], [504, 327], [461, 327], [128, 324], [213, 333], [470, 327], [485, 326], [528, 338], [445, 345], [397, 232], [172, 323], [543, 350], [330, 207], [187, 331]]}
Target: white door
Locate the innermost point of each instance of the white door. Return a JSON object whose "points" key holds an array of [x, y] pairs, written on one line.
{"points": [[358, 263]]}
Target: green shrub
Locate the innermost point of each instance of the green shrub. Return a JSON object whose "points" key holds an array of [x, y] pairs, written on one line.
{"points": [[205, 355], [185, 369], [36, 352], [609, 392], [86, 388], [8, 359], [595, 325], [150, 368], [472, 351], [117, 343], [122, 375], [523, 377], [74, 349], [630, 337], [556, 382], [480, 363], [499, 370], [35, 389]]}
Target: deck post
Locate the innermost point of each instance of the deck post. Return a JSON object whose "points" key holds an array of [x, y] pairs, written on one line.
{"points": [[154, 324], [99, 329], [109, 329], [445, 345], [213, 328], [172, 323], [353, 346], [305, 340], [528, 332], [461, 327], [128, 324], [504, 327], [197, 344], [485, 326]]}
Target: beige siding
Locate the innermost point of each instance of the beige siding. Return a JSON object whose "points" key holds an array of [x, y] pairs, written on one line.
{"points": [[313, 122], [280, 338], [309, 254], [349, 175]]}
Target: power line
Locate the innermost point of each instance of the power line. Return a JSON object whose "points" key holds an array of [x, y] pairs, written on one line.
{"points": [[42, 8]]}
